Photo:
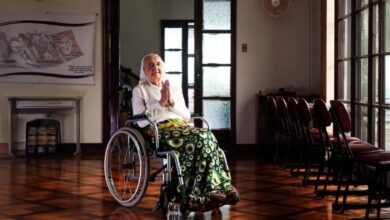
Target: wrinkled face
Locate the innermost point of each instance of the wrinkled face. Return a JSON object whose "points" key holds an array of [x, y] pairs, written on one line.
{"points": [[154, 69]]}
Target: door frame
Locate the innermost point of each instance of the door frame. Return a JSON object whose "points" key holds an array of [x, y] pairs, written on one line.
{"points": [[111, 66]]}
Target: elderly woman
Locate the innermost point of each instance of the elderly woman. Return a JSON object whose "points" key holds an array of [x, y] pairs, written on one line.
{"points": [[201, 161]]}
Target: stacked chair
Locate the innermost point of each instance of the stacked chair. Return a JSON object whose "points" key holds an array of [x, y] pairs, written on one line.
{"points": [[303, 140], [370, 162]]}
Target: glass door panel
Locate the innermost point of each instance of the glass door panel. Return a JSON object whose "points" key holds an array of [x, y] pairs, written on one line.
{"points": [[173, 61], [216, 15], [217, 113], [216, 48], [216, 81]]}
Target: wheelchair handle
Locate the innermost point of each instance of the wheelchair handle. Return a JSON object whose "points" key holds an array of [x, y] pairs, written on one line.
{"points": [[199, 116]]}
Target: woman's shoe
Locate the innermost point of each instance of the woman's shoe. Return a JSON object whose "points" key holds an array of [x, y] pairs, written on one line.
{"points": [[218, 196], [232, 195], [197, 203]]}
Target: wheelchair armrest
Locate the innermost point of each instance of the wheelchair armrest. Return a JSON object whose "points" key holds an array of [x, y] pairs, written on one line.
{"points": [[137, 118], [199, 116], [195, 115]]}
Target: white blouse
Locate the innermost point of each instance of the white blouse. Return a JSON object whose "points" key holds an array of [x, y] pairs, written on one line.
{"points": [[146, 97]]}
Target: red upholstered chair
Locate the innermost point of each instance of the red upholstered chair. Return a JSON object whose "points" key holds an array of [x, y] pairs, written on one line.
{"points": [[284, 130], [321, 121], [355, 156], [274, 124], [296, 136], [312, 152]]}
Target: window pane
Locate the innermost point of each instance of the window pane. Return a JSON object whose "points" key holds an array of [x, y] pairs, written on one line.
{"points": [[387, 129], [216, 81], [216, 15], [191, 70], [173, 61], [175, 79], [191, 41], [344, 38], [362, 80], [387, 26], [217, 113], [375, 119], [387, 79], [375, 29], [362, 3], [362, 32], [344, 7], [362, 122], [216, 48], [375, 77], [344, 80], [191, 98], [173, 38]]}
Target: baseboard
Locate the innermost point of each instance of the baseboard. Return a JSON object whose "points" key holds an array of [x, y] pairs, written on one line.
{"points": [[86, 148]]}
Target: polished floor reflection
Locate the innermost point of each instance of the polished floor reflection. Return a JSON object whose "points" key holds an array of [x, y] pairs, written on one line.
{"points": [[74, 188]]}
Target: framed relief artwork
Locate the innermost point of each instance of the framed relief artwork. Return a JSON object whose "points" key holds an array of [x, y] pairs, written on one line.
{"points": [[47, 48]]}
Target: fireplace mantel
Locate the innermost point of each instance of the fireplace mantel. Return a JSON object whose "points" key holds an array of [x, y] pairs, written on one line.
{"points": [[42, 105]]}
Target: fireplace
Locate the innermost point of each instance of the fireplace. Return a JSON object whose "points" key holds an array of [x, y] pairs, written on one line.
{"points": [[42, 136]]}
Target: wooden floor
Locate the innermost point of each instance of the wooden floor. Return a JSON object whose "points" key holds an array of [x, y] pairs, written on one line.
{"points": [[74, 188]]}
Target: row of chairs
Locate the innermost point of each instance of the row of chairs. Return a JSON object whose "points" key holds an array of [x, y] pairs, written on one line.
{"points": [[312, 140]]}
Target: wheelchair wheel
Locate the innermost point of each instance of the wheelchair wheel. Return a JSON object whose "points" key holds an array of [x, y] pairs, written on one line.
{"points": [[126, 166]]}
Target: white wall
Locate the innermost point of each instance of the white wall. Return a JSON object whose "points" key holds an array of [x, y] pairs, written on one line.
{"points": [[91, 103], [283, 52]]}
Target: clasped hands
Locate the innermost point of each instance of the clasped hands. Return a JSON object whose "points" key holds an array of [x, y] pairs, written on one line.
{"points": [[166, 99]]}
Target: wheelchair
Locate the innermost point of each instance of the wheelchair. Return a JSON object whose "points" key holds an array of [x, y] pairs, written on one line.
{"points": [[127, 168]]}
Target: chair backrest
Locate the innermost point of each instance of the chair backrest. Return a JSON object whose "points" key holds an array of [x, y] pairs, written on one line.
{"points": [[272, 107], [343, 116], [338, 112], [282, 107], [292, 105], [304, 113], [321, 115]]}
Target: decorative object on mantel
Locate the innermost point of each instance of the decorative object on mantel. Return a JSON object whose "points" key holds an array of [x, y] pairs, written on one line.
{"points": [[275, 8]]}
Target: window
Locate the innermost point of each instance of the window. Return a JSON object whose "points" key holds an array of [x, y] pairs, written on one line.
{"points": [[179, 55], [363, 66]]}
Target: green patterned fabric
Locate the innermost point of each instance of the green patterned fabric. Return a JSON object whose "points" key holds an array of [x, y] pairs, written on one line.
{"points": [[201, 160]]}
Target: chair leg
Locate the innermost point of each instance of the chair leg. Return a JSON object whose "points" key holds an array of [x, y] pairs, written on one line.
{"points": [[278, 139], [318, 179], [307, 171], [369, 202], [339, 183], [346, 192]]}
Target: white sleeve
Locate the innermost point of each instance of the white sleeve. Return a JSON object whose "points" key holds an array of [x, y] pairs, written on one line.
{"points": [[151, 110], [180, 107]]}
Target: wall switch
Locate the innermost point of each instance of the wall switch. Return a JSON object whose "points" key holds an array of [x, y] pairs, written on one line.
{"points": [[244, 48]]}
